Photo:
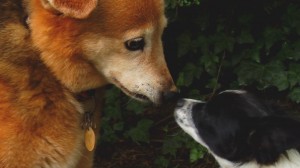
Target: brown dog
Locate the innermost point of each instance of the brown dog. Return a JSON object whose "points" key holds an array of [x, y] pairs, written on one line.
{"points": [[66, 47]]}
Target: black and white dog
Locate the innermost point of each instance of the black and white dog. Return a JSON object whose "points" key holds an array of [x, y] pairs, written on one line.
{"points": [[240, 131]]}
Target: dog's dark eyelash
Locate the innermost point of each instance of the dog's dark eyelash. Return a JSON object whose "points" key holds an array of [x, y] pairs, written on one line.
{"points": [[135, 44]]}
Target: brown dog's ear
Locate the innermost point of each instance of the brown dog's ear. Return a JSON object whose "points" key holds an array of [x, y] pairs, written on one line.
{"points": [[74, 8]]}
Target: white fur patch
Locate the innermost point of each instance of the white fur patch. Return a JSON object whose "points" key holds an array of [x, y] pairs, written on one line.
{"points": [[183, 116], [234, 91]]}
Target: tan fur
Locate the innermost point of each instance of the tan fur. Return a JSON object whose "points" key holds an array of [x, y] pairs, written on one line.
{"points": [[33, 106], [68, 48]]}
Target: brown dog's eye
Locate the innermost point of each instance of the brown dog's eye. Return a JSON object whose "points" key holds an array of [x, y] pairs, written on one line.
{"points": [[135, 44]]}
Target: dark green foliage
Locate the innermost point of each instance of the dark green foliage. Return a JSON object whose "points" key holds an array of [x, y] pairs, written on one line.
{"points": [[237, 44], [140, 133], [181, 3], [211, 46]]}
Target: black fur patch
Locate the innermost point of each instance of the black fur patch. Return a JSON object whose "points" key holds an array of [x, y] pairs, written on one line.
{"points": [[240, 128]]}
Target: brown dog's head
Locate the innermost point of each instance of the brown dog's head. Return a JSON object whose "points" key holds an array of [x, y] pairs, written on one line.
{"points": [[90, 43]]}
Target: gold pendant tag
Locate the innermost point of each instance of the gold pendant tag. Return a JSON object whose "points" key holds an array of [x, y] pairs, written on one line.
{"points": [[90, 139]]}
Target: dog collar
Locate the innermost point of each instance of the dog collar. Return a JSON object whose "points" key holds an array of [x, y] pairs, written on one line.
{"points": [[87, 98]]}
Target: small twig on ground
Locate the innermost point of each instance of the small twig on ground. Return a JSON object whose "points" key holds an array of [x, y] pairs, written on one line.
{"points": [[218, 75]]}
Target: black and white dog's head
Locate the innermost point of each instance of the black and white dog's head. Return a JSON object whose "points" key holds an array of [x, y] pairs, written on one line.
{"points": [[240, 131]]}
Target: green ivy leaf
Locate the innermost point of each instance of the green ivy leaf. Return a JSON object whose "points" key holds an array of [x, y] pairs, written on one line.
{"points": [[296, 50], [180, 79], [188, 74], [112, 103], [223, 42], [210, 63], [108, 133], [292, 17], [203, 43], [141, 132], [213, 83], [293, 78], [118, 126], [135, 106], [249, 72], [196, 154], [162, 162], [171, 145], [265, 75], [245, 37], [294, 95], [184, 41], [275, 74], [293, 74], [272, 35], [182, 3], [286, 52]]}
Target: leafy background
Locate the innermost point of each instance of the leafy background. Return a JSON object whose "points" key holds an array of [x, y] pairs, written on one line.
{"points": [[210, 45]]}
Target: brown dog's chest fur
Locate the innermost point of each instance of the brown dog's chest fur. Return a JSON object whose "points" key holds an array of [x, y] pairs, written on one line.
{"points": [[39, 118]]}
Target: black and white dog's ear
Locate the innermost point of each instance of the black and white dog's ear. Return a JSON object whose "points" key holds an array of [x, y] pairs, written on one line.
{"points": [[272, 137]]}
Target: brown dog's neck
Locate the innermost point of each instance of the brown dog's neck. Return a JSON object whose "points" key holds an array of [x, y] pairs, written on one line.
{"points": [[75, 73]]}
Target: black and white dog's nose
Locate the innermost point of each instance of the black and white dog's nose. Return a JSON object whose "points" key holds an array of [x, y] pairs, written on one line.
{"points": [[188, 103], [180, 103]]}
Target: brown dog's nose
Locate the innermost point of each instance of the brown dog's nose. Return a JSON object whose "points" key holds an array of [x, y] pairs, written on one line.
{"points": [[170, 96]]}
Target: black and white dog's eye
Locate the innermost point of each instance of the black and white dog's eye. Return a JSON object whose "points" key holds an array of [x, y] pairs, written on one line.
{"points": [[135, 44]]}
